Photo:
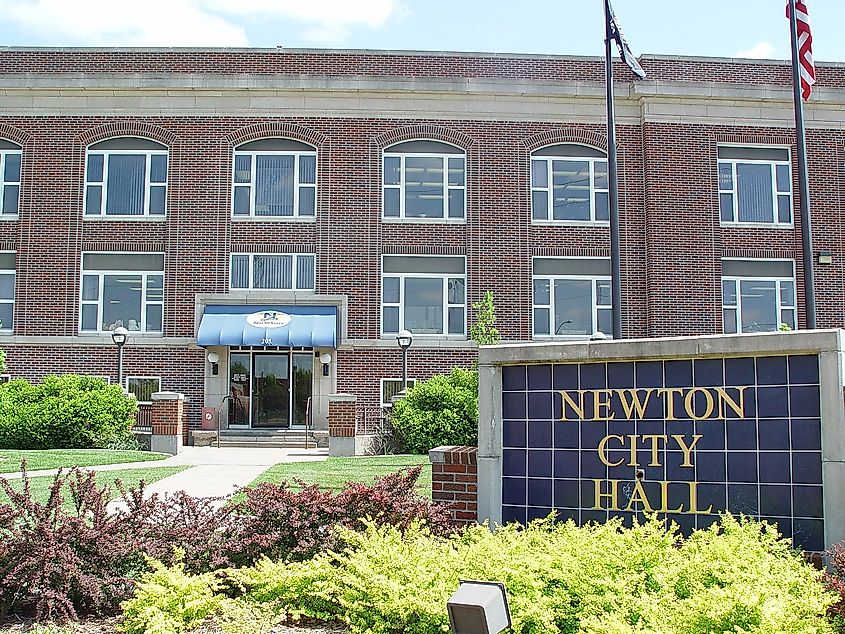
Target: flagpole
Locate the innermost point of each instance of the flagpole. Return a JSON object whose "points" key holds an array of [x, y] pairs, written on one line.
{"points": [[613, 189], [803, 176]]}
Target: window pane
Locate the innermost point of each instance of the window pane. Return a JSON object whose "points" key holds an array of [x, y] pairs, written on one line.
{"points": [[456, 291], [542, 292], [423, 187], [274, 185], [603, 321], [540, 205], [424, 306], [391, 202], [729, 320], [754, 192], [784, 209], [541, 321], [456, 321], [154, 318], [158, 168], [787, 316], [456, 203], [93, 200], [243, 168], [125, 188], [10, 199], [272, 272], [155, 288], [307, 170], [122, 302], [392, 165], [90, 287], [571, 189], [539, 174], [729, 292], [602, 206], [573, 307], [600, 171], [390, 290], [305, 272], [456, 171], [7, 316], [241, 201], [239, 275], [726, 205], [307, 202], [726, 178], [157, 197], [12, 169], [784, 178], [95, 168], [390, 318], [759, 305], [7, 286], [89, 317], [787, 294], [143, 389], [603, 293]]}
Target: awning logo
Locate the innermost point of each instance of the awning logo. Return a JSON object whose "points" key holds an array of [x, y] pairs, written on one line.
{"points": [[268, 319]]}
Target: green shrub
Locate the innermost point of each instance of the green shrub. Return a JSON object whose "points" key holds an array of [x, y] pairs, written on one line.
{"points": [[440, 411], [63, 412]]}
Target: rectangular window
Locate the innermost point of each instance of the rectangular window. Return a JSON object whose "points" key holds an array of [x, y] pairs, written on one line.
{"points": [[273, 271], [392, 387], [758, 295], [424, 186], [423, 294], [131, 182], [143, 387], [10, 182], [275, 185], [755, 185], [571, 297], [7, 291], [122, 290], [569, 189], [5, 378]]}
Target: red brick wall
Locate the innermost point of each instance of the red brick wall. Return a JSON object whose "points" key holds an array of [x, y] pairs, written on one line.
{"points": [[454, 481], [167, 417], [341, 418]]}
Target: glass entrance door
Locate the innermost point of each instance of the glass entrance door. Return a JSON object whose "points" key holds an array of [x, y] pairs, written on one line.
{"points": [[271, 390], [303, 375]]}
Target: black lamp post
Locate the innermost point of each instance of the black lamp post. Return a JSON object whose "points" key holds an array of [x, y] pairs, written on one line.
{"points": [[119, 336], [404, 339]]}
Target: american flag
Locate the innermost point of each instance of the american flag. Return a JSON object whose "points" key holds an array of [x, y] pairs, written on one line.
{"points": [[805, 48]]}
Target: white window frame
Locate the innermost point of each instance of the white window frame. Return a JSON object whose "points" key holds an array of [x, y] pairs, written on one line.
{"points": [[5, 378], [297, 186], [294, 277], [143, 378], [148, 154], [4, 183], [383, 382], [446, 187], [100, 274], [772, 163], [11, 302], [780, 306], [549, 218], [445, 277], [595, 308]]}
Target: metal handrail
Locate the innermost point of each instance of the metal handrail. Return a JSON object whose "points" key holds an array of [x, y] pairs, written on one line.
{"points": [[308, 425]]}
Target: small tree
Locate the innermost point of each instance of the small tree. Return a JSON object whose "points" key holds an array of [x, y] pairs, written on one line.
{"points": [[483, 331]]}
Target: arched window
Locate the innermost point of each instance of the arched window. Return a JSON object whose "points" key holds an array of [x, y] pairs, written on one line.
{"points": [[126, 177], [10, 178], [569, 184], [424, 179], [275, 178]]}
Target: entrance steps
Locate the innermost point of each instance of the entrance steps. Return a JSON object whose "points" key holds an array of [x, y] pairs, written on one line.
{"points": [[269, 438]]}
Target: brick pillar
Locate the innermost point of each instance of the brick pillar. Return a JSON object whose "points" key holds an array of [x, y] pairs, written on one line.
{"points": [[454, 481], [167, 421], [342, 424]]}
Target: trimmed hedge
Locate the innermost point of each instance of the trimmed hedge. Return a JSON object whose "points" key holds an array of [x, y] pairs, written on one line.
{"points": [[64, 412]]}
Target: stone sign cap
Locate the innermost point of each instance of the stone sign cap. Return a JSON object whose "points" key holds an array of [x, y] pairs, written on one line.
{"points": [[167, 396]]}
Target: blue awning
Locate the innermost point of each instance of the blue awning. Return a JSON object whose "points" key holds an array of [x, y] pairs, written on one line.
{"points": [[261, 325]]}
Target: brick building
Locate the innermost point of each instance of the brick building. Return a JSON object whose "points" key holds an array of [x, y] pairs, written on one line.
{"points": [[276, 206]]}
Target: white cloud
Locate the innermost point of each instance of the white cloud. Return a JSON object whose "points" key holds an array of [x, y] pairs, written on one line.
{"points": [[761, 50]]}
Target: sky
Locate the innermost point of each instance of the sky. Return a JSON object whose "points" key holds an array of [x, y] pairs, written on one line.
{"points": [[726, 28]]}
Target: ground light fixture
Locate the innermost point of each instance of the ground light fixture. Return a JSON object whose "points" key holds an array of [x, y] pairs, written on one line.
{"points": [[479, 607], [119, 335], [214, 360], [325, 359], [404, 338]]}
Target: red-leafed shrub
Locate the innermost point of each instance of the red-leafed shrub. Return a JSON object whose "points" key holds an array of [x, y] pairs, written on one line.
{"points": [[834, 579]]}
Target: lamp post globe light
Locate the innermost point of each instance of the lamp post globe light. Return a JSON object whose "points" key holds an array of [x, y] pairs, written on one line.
{"points": [[404, 338], [119, 336]]}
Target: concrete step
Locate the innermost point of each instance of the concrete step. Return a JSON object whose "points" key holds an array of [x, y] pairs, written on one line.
{"points": [[269, 444]]}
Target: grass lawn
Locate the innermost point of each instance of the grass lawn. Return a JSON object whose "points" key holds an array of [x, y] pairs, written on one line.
{"points": [[10, 459], [129, 477], [334, 472]]}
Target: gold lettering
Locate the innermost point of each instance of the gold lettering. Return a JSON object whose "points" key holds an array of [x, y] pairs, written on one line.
{"points": [[603, 450], [612, 495], [598, 404], [693, 500], [633, 462], [687, 449], [639, 496], [724, 399], [689, 403], [655, 443], [667, 393], [664, 499], [634, 403], [577, 408]]}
